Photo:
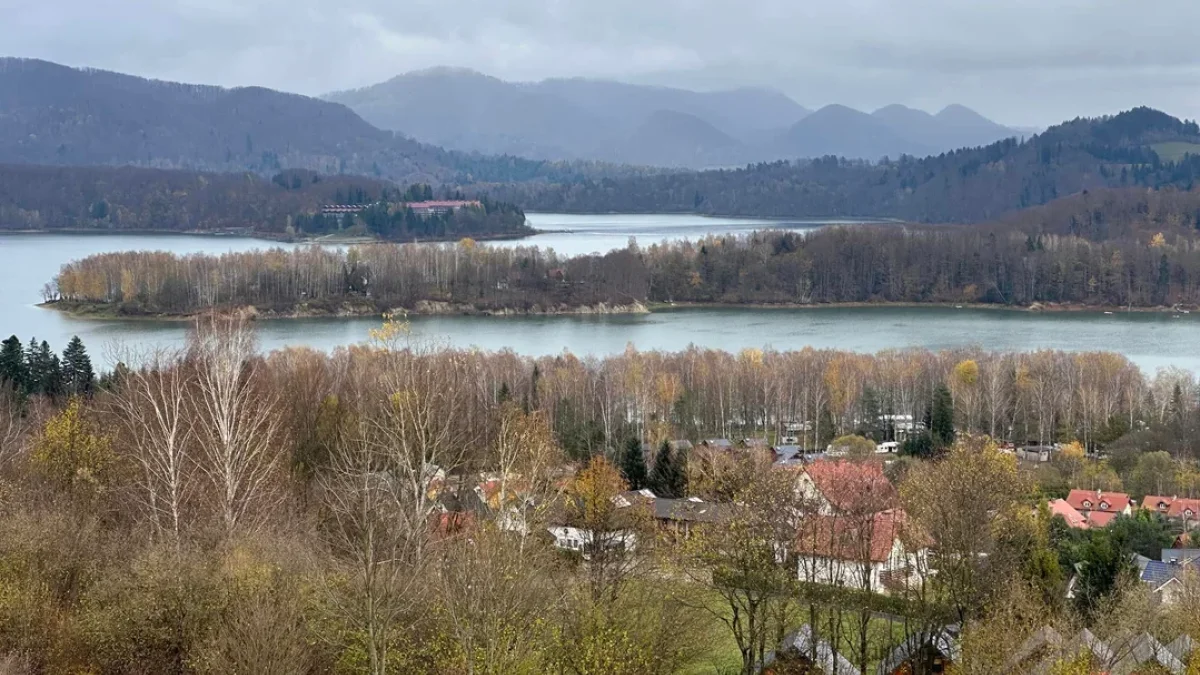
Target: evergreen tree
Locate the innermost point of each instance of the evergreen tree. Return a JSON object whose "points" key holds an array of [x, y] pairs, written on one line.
{"points": [[633, 464], [941, 418], [667, 478], [43, 369], [13, 372], [78, 376]]}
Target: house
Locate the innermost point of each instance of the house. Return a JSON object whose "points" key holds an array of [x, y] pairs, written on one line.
{"points": [[681, 445], [1146, 654], [1165, 576], [680, 516], [1100, 507], [872, 552], [796, 655], [440, 208], [338, 210], [1034, 453], [925, 654], [1078, 520], [1175, 508], [841, 486], [718, 443], [571, 535], [786, 453], [1075, 519]]}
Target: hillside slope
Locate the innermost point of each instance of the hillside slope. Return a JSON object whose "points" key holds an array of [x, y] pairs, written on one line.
{"points": [[970, 185]]}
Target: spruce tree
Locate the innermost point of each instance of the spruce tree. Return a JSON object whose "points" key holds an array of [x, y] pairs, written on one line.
{"points": [[13, 373], [633, 464], [668, 479], [79, 378], [941, 418]]}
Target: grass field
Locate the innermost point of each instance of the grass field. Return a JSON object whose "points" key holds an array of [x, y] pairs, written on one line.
{"points": [[1175, 150]]}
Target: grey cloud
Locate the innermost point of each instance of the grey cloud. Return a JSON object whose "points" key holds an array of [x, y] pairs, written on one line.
{"points": [[1020, 61]]}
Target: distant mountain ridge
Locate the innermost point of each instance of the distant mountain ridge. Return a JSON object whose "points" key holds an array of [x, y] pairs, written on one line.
{"points": [[57, 115], [603, 120]]}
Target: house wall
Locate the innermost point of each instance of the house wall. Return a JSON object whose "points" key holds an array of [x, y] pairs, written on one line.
{"points": [[577, 539], [853, 574]]}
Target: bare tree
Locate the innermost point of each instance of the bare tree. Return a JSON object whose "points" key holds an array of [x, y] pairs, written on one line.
{"points": [[493, 592], [374, 585], [12, 427], [152, 404], [237, 421]]}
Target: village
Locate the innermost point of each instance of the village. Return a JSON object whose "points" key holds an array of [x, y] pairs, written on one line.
{"points": [[844, 527]]}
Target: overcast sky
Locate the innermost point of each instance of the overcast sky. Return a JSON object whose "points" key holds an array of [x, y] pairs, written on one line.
{"points": [[1021, 62]]}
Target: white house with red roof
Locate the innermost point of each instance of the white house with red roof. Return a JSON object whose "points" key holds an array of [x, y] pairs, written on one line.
{"points": [[1175, 508], [873, 552]]}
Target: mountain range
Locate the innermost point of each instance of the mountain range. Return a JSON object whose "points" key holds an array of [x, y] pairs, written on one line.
{"points": [[53, 114], [648, 125]]}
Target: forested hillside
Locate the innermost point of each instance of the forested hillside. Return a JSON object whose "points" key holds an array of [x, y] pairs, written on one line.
{"points": [[53, 114], [128, 198], [968, 185], [836, 265]]}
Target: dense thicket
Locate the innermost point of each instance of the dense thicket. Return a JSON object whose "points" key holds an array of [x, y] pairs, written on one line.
{"points": [[383, 509], [66, 116], [127, 198], [835, 265], [967, 185]]}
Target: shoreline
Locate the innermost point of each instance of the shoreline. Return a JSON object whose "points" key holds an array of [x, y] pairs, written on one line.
{"points": [[109, 312], [278, 238]]}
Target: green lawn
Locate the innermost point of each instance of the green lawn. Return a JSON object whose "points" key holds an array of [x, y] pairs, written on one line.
{"points": [[1175, 150]]}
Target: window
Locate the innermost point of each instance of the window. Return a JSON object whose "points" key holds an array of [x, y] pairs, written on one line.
{"points": [[1103, 506], [1087, 504]]}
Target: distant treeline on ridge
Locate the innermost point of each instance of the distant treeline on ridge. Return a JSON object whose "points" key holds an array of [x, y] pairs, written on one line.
{"points": [[289, 204]]}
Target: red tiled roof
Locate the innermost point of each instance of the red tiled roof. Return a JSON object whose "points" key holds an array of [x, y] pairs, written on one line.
{"points": [[1060, 507], [1100, 518], [1096, 500], [846, 538], [1172, 507], [849, 486]]}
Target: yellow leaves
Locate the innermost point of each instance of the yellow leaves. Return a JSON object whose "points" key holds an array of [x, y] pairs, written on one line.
{"points": [[1158, 240], [1073, 450], [395, 326], [752, 357], [466, 244], [1079, 665], [595, 488], [128, 286], [695, 280], [966, 373], [70, 450]]}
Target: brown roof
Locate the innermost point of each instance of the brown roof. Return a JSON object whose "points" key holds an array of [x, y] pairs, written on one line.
{"points": [[1098, 500], [846, 538], [849, 486]]}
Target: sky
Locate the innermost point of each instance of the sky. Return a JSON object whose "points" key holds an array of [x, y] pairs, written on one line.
{"points": [[1020, 62]]}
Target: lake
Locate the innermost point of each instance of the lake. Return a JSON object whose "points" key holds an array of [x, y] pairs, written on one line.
{"points": [[1151, 340]]}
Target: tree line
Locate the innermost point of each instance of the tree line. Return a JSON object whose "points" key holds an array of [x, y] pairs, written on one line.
{"points": [[35, 370], [382, 509], [859, 264], [970, 185], [289, 204]]}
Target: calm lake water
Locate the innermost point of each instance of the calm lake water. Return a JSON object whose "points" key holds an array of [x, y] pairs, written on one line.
{"points": [[1151, 340]]}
